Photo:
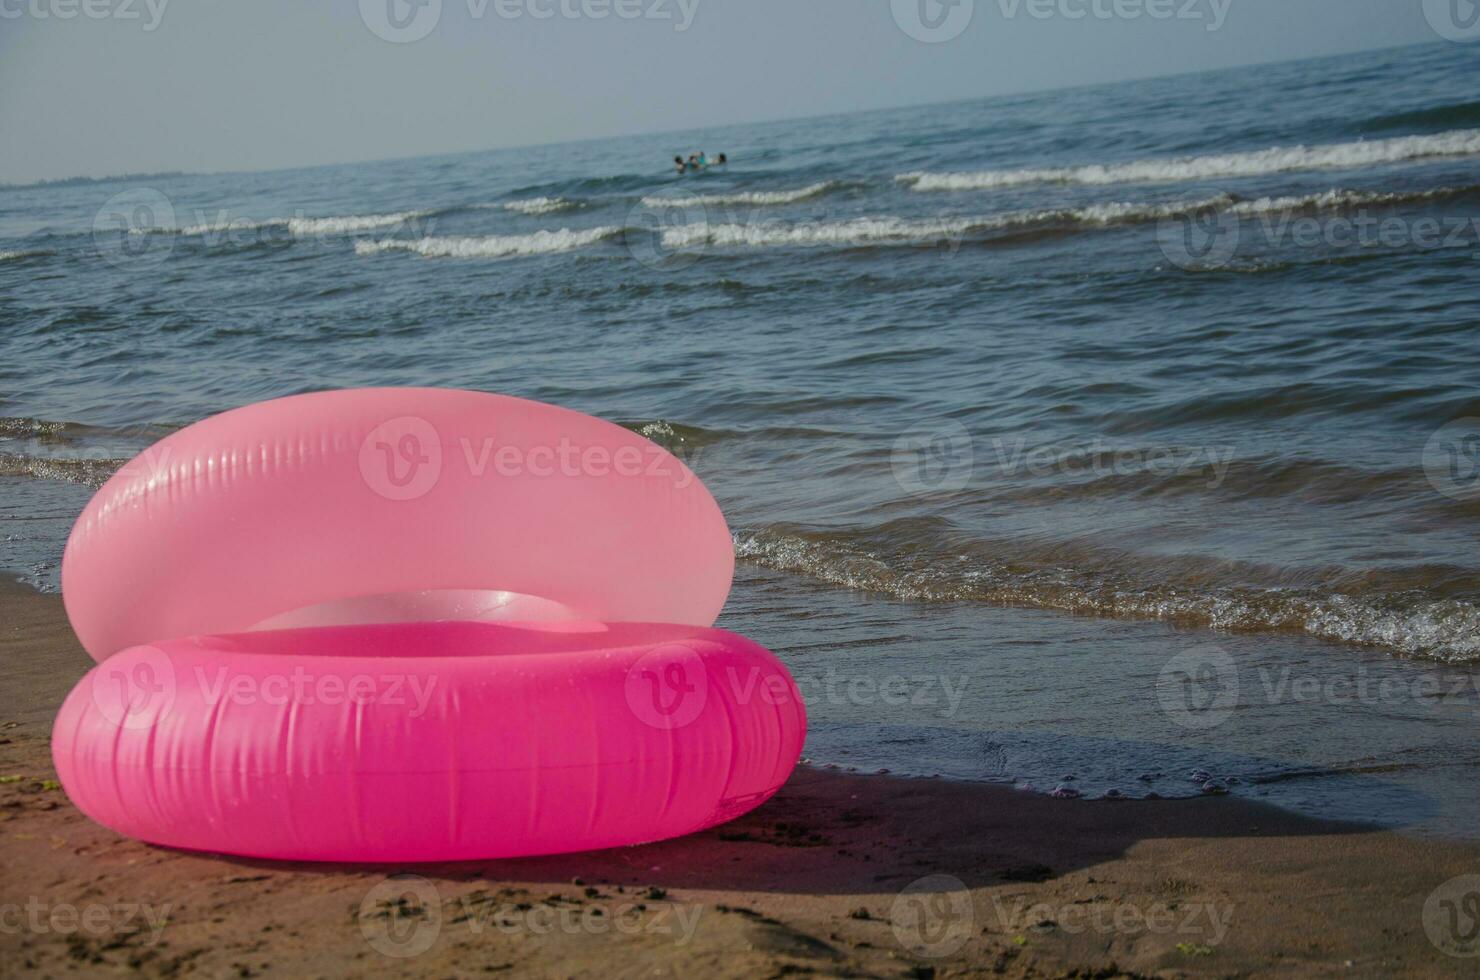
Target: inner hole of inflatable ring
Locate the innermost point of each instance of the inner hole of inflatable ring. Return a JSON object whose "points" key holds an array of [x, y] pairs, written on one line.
{"points": [[528, 612]]}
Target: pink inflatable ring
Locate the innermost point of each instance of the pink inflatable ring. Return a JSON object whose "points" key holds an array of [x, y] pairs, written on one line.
{"points": [[412, 625]]}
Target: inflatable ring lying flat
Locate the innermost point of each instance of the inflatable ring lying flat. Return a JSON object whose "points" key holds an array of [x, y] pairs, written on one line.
{"points": [[412, 625]]}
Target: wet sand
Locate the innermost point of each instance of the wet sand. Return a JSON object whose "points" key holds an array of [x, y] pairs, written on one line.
{"points": [[838, 875]]}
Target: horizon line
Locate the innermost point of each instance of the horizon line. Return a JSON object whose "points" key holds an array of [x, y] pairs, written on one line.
{"points": [[157, 174]]}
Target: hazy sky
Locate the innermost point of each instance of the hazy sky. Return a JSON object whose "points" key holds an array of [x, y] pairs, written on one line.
{"points": [[124, 86]]}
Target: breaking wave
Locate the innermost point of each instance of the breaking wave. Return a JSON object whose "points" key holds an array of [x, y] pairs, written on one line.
{"points": [[888, 229], [542, 205], [1363, 153], [296, 226], [1112, 585], [16, 254], [747, 197], [492, 246]]}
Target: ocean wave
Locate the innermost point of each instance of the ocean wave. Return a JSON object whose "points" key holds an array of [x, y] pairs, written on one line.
{"points": [[1450, 115], [492, 246], [747, 197], [1337, 199], [1363, 153], [853, 231], [1411, 623], [889, 229], [542, 205], [296, 226], [88, 472], [886, 229], [16, 254], [25, 427], [352, 223]]}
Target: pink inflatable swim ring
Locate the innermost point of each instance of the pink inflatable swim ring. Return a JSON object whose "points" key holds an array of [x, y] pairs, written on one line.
{"points": [[412, 625]]}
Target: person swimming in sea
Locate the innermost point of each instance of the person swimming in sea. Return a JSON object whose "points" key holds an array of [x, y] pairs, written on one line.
{"points": [[698, 161]]}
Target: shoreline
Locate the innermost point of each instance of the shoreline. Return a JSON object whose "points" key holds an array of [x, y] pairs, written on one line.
{"points": [[839, 874]]}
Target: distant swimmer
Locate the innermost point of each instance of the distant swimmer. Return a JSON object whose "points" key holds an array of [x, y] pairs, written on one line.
{"points": [[698, 161]]}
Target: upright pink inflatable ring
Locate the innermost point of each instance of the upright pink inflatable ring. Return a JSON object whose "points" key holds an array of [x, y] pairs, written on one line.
{"points": [[412, 625]]}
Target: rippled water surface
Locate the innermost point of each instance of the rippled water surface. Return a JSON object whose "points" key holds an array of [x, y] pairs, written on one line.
{"points": [[1193, 360]]}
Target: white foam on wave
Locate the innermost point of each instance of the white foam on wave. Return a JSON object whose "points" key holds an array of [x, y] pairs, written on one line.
{"points": [[1280, 159], [351, 223], [883, 230], [745, 197], [491, 246], [1438, 629], [297, 226], [15, 254], [542, 205], [1341, 199], [859, 231]]}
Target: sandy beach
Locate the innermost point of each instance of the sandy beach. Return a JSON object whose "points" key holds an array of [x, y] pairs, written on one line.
{"points": [[839, 875]]}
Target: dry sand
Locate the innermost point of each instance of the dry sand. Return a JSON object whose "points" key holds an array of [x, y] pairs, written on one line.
{"points": [[838, 875]]}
